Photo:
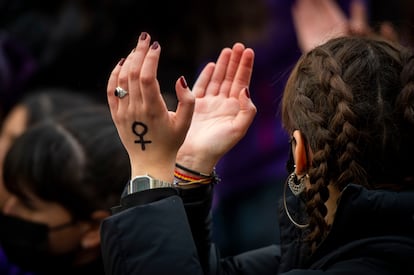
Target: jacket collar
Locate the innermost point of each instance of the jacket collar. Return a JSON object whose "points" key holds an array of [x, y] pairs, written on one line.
{"points": [[366, 214]]}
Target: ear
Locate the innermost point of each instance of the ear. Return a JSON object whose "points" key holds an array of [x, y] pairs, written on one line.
{"points": [[299, 153], [91, 237]]}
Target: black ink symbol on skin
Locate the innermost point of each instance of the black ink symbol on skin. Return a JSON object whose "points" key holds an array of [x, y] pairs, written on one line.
{"points": [[143, 130]]}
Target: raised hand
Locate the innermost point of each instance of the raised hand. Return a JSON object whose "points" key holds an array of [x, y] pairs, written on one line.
{"points": [[223, 110], [317, 21], [150, 133]]}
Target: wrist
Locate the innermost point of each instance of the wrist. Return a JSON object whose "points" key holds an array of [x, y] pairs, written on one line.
{"points": [[191, 178], [197, 163], [163, 171], [147, 182]]}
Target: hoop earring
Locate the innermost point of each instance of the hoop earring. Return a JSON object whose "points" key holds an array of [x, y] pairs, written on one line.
{"points": [[296, 186]]}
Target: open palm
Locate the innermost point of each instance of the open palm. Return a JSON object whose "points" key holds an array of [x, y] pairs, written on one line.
{"points": [[223, 110]]}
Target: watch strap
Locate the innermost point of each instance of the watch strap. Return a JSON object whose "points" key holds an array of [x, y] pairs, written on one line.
{"points": [[146, 182]]}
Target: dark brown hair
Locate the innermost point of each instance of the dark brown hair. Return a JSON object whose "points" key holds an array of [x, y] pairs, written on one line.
{"points": [[76, 160], [352, 98]]}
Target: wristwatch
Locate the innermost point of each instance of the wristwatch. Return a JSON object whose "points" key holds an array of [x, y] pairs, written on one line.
{"points": [[145, 182]]}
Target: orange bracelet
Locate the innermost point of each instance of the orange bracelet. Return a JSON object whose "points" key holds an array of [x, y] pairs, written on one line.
{"points": [[185, 180], [194, 172], [201, 178], [185, 177]]}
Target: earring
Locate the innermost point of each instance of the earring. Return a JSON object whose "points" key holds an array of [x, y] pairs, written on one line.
{"points": [[296, 185]]}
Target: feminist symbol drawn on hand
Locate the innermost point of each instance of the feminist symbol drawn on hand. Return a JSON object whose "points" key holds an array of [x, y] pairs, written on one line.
{"points": [[140, 134]]}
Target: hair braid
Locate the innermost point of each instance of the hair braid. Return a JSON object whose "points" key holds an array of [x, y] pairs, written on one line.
{"points": [[405, 100], [343, 152], [404, 106], [343, 106]]}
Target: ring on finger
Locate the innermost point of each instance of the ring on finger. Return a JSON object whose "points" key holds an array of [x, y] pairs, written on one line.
{"points": [[119, 92]]}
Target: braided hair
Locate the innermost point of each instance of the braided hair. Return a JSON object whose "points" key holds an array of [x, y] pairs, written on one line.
{"points": [[352, 98]]}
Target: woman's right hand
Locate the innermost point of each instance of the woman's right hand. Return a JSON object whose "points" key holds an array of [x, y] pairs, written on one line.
{"points": [[317, 21]]}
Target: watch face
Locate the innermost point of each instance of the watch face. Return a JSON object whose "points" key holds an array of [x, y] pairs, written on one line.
{"points": [[139, 184]]}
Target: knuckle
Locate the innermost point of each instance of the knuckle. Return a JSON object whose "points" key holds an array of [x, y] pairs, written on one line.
{"points": [[147, 79], [134, 73], [123, 78]]}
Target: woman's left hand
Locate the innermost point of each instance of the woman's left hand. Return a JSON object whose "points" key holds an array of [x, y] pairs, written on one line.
{"points": [[223, 109]]}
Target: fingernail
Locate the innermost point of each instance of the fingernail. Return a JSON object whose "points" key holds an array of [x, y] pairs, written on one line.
{"points": [[183, 82], [121, 62], [143, 36], [154, 45], [246, 90]]}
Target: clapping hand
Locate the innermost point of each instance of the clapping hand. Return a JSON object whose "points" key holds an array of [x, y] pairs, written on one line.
{"points": [[150, 133], [317, 21], [223, 110]]}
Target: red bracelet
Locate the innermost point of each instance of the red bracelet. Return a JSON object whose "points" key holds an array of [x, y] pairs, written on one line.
{"points": [[185, 177], [201, 178]]}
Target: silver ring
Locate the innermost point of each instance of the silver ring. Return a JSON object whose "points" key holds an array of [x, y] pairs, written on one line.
{"points": [[119, 92]]}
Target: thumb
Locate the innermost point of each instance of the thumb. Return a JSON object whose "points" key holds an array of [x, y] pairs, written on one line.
{"points": [[186, 101], [247, 111]]}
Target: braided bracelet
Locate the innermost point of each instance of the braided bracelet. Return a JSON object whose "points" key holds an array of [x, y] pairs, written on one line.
{"points": [[194, 172], [186, 177], [212, 178]]}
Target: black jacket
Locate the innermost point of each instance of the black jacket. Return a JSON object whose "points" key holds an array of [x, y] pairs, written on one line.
{"points": [[373, 233]]}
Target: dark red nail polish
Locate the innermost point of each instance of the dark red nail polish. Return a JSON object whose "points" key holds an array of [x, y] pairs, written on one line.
{"points": [[246, 90], [154, 45], [183, 82], [143, 36], [121, 62]]}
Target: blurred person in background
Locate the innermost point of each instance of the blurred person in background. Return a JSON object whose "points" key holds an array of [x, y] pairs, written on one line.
{"points": [[62, 176], [32, 108]]}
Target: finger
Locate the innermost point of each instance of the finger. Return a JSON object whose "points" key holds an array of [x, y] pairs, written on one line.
{"points": [[307, 9], [358, 22], [338, 19], [311, 29], [112, 84], [150, 90], [219, 72], [122, 82], [201, 84], [332, 9], [310, 6], [247, 111], [185, 106], [232, 68], [299, 16], [244, 73], [135, 63], [388, 31]]}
